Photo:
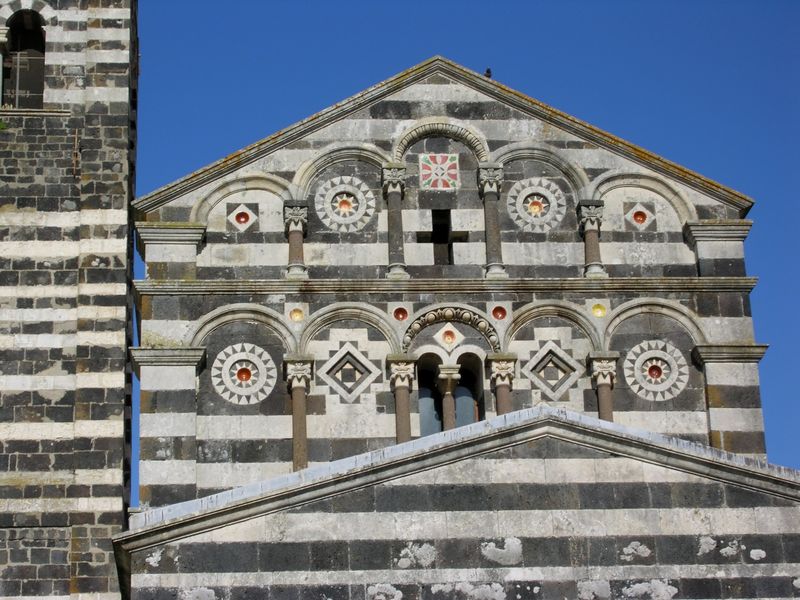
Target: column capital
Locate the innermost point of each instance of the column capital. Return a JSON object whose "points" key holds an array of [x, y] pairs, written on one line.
{"points": [[393, 176], [297, 370], [401, 369], [490, 177], [603, 366], [295, 218], [449, 376], [590, 214], [3, 35], [502, 368]]}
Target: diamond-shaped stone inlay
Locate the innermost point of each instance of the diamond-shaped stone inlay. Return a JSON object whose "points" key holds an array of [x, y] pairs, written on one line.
{"points": [[345, 203], [438, 171], [640, 217], [656, 370], [552, 370], [536, 204], [242, 218], [243, 374], [448, 337], [348, 372]]}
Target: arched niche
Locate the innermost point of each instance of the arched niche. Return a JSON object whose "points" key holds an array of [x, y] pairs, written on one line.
{"points": [[332, 155], [450, 326], [526, 152], [251, 187], [441, 127], [241, 312]]}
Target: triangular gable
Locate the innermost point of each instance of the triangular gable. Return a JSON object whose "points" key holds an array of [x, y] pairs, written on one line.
{"points": [[490, 87], [181, 520]]}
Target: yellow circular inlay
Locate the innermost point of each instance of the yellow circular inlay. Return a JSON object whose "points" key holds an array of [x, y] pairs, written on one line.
{"points": [[598, 310], [296, 314]]}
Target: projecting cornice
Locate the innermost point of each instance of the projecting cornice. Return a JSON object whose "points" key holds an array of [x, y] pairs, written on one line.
{"points": [[383, 286], [490, 87]]}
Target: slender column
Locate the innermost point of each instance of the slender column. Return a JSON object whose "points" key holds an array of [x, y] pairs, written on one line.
{"points": [[394, 182], [590, 213], [296, 221], [502, 367], [448, 379], [298, 378], [490, 180], [3, 43], [604, 373], [402, 376]]}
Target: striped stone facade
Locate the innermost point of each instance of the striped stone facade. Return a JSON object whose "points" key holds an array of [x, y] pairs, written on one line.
{"points": [[65, 188]]}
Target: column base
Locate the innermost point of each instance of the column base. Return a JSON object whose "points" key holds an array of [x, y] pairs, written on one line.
{"points": [[397, 271], [297, 272], [496, 271], [595, 271]]}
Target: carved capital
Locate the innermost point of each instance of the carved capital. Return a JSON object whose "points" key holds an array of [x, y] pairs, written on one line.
{"points": [[394, 177], [604, 367], [590, 214], [449, 377], [295, 218], [402, 374], [490, 178], [297, 372], [502, 368]]}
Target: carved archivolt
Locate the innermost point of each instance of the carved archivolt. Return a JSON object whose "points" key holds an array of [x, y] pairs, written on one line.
{"points": [[456, 314], [444, 129]]}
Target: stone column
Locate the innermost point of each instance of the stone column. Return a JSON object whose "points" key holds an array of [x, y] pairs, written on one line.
{"points": [[490, 181], [402, 376], [298, 378], [394, 182], [502, 373], [296, 221], [603, 366], [590, 214], [448, 379], [3, 42]]}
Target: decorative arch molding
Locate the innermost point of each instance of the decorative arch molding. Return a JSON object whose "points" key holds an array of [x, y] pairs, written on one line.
{"points": [[526, 150], [48, 14], [242, 312], [251, 181], [346, 312], [684, 209], [441, 126], [553, 308], [332, 155], [469, 349], [457, 313], [441, 353], [654, 306]]}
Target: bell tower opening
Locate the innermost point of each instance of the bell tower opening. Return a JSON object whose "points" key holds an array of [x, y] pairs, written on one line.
{"points": [[23, 61]]}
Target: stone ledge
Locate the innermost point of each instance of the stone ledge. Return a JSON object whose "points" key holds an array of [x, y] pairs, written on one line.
{"points": [[729, 353], [166, 357], [170, 233], [717, 230]]}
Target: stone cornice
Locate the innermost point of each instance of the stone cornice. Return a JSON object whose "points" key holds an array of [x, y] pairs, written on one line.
{"points": [[729, 353], [714, 230], [383, 286], [167, 357], [170, 232], [34, 112]]}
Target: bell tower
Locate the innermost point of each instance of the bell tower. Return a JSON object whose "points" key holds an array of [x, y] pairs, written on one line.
{"points": [[68, 136]]}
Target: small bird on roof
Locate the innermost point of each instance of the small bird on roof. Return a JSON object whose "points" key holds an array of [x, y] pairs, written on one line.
{"points": [[488, 73]]}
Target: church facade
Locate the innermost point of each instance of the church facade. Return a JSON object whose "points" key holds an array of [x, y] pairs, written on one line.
{"points": [[437, 341]]}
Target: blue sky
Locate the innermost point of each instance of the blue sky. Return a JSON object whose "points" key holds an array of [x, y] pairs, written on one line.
{"points": [[711, 85]]}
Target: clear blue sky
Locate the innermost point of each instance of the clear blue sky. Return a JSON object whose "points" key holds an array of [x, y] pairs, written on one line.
{"points": [[711, 85]]}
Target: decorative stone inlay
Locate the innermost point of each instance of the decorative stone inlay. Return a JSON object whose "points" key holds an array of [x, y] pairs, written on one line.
{"points": [[345, 203], [656, 370], [438, 171], [348, 372], [241, 217], [448, 337], [640, 217], [536, 204], [243, 374], [552, 370], [463, 315]]}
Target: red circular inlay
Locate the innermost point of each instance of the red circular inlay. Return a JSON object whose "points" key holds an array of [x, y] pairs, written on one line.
{"points": [[535, 207], [655, 372], [499, 313], [244, 374], [640, 216], [449, 336], [400, 313], [242, 217]]}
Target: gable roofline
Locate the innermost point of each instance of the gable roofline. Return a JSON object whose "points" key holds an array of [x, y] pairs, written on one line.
{"points": [[176, 521], [490, 87]]}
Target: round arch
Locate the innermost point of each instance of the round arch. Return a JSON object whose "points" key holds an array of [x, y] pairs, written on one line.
{"points": [[46, 12], [242, 312], [683, 208], [331, 155], [243, 183], [553, 308], [344, 312], [458, 313], [654, 306], [439, 126], [526, 150]]}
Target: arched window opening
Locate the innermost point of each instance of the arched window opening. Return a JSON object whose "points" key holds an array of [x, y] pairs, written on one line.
{"points": [[23, 61], [430, 398], [469, 393]]}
